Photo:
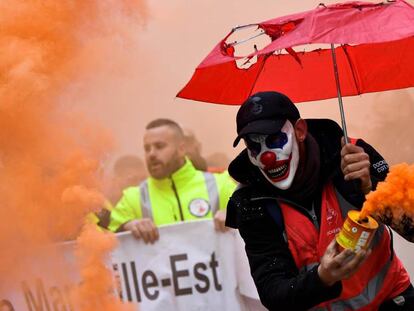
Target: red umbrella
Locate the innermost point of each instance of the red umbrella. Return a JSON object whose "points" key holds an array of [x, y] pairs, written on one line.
{"points": [[375, 51]]}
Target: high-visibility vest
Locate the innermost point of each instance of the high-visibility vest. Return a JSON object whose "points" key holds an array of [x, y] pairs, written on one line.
{"points": [[189, 194], [212, 204], [382, 275]]}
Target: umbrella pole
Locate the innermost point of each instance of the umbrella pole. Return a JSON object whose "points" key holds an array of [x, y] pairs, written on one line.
{"points": [[355, 183], [338, 88]]}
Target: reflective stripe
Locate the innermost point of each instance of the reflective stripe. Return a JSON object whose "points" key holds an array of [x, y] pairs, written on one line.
{"points": [[375, 284], [377, 236], [343, 204], [145, 200], [212, 190], [367, 296]]}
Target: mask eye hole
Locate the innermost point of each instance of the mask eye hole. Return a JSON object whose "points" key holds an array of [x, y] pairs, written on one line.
{"points": [[276, 141], [253, 147]]}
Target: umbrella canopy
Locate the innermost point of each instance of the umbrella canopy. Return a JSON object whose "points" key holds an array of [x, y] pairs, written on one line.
{"points": [[375, 53]]}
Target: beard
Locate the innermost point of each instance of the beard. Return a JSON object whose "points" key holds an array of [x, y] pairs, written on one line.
{"points": [[160, 169]]}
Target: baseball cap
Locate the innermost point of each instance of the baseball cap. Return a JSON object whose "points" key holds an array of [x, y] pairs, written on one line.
{"points": [[264, 113]]}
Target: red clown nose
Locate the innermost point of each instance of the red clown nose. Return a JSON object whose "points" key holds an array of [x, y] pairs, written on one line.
{"points": [[268, 158]]}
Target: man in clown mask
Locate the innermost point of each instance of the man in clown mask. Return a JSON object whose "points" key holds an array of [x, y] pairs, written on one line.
{"points": [[298, 179]]}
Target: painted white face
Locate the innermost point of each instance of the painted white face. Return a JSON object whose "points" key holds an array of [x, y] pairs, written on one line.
{"points": [[276, 155]]}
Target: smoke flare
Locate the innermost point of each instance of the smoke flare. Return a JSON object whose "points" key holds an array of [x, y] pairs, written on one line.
{"points": [[50, 157], [393, 200]]}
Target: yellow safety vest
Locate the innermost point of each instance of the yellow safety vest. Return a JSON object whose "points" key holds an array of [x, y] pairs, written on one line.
{"points": [[188, 194]]}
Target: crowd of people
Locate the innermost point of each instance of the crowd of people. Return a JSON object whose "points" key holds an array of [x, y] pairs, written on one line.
{"points": [[296, 181], [175, 189], [174, 165]]}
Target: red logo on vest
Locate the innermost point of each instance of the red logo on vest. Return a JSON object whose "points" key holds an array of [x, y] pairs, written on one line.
{"points": [[331, 215]]}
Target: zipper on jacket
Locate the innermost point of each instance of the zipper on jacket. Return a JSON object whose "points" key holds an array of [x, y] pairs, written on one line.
{"points": [[313, 216], [178, 199], [308, 213]]}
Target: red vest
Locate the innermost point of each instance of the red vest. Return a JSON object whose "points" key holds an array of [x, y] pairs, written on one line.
{"points": [[381, 277]]}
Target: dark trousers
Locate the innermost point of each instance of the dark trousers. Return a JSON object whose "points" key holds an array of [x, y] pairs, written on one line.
{"points": [[406, 302]]}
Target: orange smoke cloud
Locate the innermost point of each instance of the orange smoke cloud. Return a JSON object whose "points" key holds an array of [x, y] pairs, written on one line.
{"points": [[97, 290], [50, 158], [393, 200]]}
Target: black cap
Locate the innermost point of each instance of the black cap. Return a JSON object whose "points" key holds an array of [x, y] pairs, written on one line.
{"points": [[264, 113]]}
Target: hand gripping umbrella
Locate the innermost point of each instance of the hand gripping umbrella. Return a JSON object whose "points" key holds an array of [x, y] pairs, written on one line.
{"points": [[371, 50]]}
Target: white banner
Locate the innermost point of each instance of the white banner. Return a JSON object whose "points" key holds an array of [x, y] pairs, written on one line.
{"points": [[191, 267], [44, 282]]}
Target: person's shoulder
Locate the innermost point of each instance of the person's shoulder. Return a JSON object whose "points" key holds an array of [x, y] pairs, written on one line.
{"points": [[323, 125], [223, 179], [223, 176], [325, 131], [133, 188], [130, 199], [244, 206], [131, 191]]}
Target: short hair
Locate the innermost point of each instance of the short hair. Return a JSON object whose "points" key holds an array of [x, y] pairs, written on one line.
{"points": [[165, 122]]}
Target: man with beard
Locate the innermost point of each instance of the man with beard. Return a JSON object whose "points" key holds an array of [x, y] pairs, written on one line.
{"points": [[297, 181], [175, 190]]}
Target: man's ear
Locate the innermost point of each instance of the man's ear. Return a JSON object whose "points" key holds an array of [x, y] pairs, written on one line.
{"points": [[301, 130], [181, 148]]}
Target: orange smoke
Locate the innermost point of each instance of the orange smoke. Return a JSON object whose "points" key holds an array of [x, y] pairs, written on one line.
{"points": [[50, 158], [395, 195], [97, 290]]}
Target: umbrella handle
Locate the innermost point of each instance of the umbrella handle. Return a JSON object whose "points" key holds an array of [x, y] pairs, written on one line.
{"points": [[354, 184], [338, 89]]}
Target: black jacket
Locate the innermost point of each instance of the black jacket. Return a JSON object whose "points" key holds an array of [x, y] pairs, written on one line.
{"points": [[279, 283]]}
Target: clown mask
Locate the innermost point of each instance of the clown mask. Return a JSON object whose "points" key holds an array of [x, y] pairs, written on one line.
{"points": [[276, 155]]}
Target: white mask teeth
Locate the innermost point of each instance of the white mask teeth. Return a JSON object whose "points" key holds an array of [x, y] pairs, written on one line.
{"points": [[279, 171]]}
